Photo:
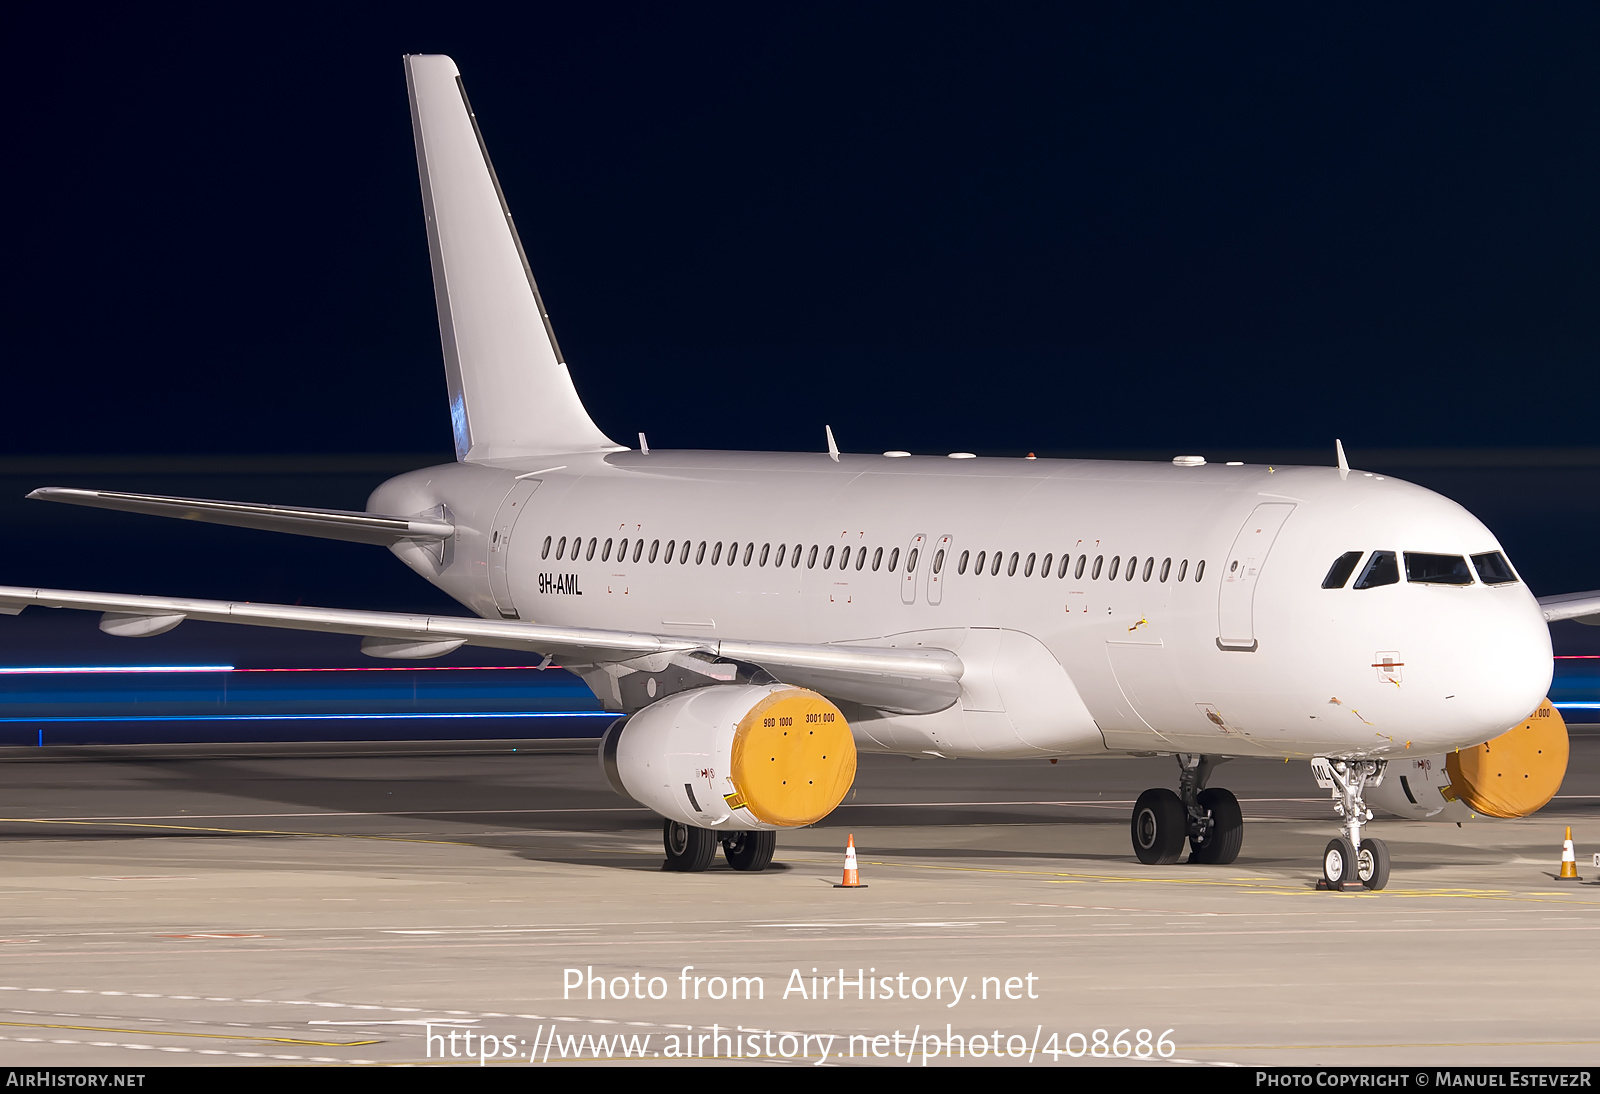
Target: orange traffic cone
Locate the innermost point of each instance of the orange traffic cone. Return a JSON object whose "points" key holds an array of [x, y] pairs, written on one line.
{"points": [[1569, 863], [852, 878]]}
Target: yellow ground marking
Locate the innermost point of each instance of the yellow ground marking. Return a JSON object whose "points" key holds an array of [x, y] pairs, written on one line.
{"points": [[177, 1033], [1250, 884], [234, 831]]}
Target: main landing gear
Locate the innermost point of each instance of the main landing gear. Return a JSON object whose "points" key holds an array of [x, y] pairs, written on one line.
{"points": [[1208, 817], [1349, 859], [690, 849]]}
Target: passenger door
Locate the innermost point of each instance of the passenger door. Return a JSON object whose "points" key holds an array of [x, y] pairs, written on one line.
{"points": [[1240, 573], [505, 522]]}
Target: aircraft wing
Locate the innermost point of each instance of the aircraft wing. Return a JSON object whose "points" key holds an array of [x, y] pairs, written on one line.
{"points": [[904, 681], [1584, 607], [322, 523]]}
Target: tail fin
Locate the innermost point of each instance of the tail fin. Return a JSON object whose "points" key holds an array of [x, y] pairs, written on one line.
{"points": [[510, 392]]}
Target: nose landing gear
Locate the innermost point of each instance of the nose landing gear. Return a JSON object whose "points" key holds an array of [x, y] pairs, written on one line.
{"points": [[1209, 818], [1348, 859]]}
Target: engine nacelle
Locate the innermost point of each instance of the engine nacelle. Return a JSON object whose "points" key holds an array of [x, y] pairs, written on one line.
{"points": [[1513, 775], [735, 757]]}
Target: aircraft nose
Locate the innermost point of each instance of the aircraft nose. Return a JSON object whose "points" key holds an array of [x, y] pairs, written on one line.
{"points": [[1507, 662]]}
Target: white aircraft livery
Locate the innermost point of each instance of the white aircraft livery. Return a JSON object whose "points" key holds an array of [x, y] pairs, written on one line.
{"points": [[755, 619]]}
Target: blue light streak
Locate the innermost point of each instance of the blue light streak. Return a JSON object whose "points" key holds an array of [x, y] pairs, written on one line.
{"points": [[313, 717]]}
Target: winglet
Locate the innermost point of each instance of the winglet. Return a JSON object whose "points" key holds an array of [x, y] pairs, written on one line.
{"points": [[1344, 464], [833, 449]]}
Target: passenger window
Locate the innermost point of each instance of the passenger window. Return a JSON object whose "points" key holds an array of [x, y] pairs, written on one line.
{"points": [[1044, 567], [605, 552], [655, 549], [1116, 560], [994, 567], [811, 559], [683, 554], [982, 558], [1149, 567], [588, 556], [894, 560], [1493, 569], [1166, 570], [700, 553], [938, 561], [1437, 569], [1380, 569], [1027, 568], [638, 549], [783, 549], [911, 561], [877, 557], [561, 548], [1339, 573], [1094, 574], [1061, 572], [861, 559], [749, 552], [546, 552], [844, 559], [766, 549], [961, 564], [1199, 569], [1183, 568], [716, 552], [622, 552], [794, 558], [672, 549], [827, 559], [1077, 574]]}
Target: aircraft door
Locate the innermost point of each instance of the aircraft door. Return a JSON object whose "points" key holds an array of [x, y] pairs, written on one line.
{"points": [[1240, 573], [937, 568], [505, 521], [913, 566]]}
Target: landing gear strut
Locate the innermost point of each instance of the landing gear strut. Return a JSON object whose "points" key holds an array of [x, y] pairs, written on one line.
{"points": [[1348, 859], [1209, 818]]}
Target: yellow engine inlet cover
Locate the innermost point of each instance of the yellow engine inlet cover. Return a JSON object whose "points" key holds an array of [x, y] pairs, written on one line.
{"points": [[793, 758], [1516, 773]]}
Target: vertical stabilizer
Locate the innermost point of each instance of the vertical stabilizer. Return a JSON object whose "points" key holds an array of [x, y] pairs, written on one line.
{"points": [[510, 392]]}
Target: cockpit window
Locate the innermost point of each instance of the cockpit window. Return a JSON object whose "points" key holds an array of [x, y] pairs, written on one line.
{"points": [[1339, 573], [1493, 569], [1437, 569], [1380, 569]]}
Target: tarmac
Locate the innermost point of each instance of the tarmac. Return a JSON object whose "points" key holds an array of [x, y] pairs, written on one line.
{"points": [[371, 905]]}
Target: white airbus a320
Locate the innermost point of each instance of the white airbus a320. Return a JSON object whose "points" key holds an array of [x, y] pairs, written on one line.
{"points": [[755, 619]]}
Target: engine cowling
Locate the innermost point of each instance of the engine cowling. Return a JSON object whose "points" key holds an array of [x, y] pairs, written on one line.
{"points": [[735, 757], [1513, 775]]}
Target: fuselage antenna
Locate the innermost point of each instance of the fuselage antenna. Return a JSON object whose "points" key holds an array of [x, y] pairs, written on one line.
{"points": [[833, 449], [1344, 464]]}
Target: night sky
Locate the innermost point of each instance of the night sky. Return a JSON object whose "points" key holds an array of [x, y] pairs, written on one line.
{"points": [[937, 228]]}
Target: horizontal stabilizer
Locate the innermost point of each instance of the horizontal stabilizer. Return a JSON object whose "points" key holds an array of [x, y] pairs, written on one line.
{"points": [[1584, 607], [919, 681], [323, 523]]}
